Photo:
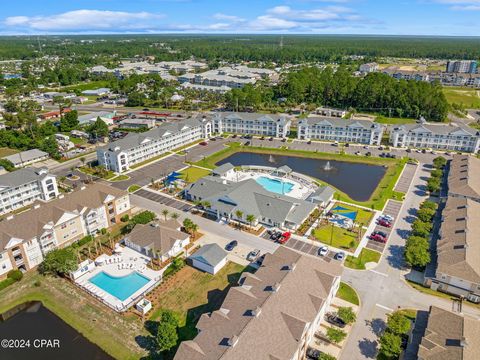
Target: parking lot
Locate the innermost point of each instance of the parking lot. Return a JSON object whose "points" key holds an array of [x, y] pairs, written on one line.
{"points": [[392, 208], [165, 200], [405, 180], [303, 247]]}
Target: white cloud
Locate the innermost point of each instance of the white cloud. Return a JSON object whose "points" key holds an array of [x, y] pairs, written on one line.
{"points": [[220, 16], [462, 5], [86, 20]]}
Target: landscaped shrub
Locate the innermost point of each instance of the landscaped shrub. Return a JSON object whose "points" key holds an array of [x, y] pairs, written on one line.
{"points": [[16, 275], [6, 282], [143, 218], [125, 218], [82, 241]]}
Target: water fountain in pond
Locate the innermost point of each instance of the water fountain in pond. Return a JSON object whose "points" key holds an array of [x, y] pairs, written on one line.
{"points": [[271, 159], [327, 166]]}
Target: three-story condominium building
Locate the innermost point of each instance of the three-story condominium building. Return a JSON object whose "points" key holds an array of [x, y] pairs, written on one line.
{"points": [[341, 130], [26, 237], [436, 136], [136, 148], [22, 187], [271, 314], [251, 123]]}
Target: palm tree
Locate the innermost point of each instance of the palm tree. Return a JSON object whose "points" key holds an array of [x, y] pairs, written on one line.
{"points": [[250, 219], [239, 215], [165, 213], [83, 160], [174, 216], [207, 204]]}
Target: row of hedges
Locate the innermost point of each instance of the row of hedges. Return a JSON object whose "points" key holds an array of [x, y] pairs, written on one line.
{"points": [[398, 326], [417, 248], [434, 183]]}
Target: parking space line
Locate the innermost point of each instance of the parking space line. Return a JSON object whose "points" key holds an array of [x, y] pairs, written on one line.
{"points": [[384, 307], [379, 273]]}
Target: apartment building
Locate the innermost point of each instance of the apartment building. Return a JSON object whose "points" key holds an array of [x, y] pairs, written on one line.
{"points": [[26, 237], [23, 187], [462, 66], [369, 67], [436, 136], [135, 148], [341, 130], [447, 335], [271, 314], [251, 123], [28, 157]]}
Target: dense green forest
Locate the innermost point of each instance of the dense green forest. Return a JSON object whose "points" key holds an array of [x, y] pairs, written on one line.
{"points": [[213, 48], [377, 93]]}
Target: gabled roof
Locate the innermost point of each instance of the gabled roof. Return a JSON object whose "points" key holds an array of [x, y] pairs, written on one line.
{"points": [[22, 176], [210, 254], [338, 122], [450, 336], [464, 176], [264, 318], [222, 169], [440, 129]]}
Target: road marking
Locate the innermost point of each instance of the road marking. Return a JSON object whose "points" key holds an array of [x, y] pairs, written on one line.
{"points": [[379, 273], [384, 307]]}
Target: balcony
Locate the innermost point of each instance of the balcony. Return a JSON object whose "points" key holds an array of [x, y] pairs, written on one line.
{"points": [[16, 252]]}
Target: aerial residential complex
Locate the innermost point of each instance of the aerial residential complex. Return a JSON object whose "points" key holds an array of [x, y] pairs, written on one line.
{"points": [[24, 186], [458, 266], [271, 314], [449, 335], [462, 66], [341, 130], [26, 237], [250, 123], [441, 137], [136, 148]]}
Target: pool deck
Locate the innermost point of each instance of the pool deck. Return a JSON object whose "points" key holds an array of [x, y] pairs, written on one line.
{"points": [[125, 263], [299, 191]]}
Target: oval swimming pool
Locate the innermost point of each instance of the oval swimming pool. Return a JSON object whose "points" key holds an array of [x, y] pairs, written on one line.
{"points": [[275, 185]]}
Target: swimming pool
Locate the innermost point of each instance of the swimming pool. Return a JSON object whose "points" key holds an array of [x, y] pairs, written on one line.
{"points": [[275, 185], [120, 287]]}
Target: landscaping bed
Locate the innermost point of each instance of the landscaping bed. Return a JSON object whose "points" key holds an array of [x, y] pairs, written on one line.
{"points": [[347, 293], [336, 236], [366, 256]]}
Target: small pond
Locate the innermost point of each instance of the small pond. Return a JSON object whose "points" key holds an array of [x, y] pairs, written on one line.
{"points": [[357, 180], [31, 321]]}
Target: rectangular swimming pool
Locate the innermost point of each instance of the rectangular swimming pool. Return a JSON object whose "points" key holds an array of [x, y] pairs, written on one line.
{"points": [[121, 287], [275, 185]]}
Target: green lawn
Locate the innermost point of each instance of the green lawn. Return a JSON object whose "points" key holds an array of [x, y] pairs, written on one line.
{"points": [[366, 256], [470, 98], [4, 151], [363, 216], [341, 238], [192, 174], [393, 120], [120, 178], [382, 193], [133, 188], [115, 333], [194, 293], [347, 293]]}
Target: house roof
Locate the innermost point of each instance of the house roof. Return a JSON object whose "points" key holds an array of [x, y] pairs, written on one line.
{"points": [[160, 236], [25, 156], [264, 318], [458, 247], [440, 129], [222, 169], [251, 198], [32, 223], [322, 194], [464, 176], [450, 336], [338, 122], [255, 117], [210, 254]]}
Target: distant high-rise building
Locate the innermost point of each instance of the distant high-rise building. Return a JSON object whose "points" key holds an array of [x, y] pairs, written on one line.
{"points": [[462, 66]]}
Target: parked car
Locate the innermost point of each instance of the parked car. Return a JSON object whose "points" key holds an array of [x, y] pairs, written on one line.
{"points": [[203, 143], [335, 143], [347, 145], [378, 238], [309, 142], [247, 143], [284, 140], [335, 320], [368, 154], [408, 150], [213, 139], [358, 153], [285, 237], [276, 235], [313, 354], [271, 139], [380, 148], [340, 256], [252, 255], [384, 223], [381, 233], [387, 217], [231, 245], [262, 138], [234, 136], [323, 251]]}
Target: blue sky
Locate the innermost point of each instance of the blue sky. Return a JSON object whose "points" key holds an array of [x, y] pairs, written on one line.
{"points": [[395, 17]]}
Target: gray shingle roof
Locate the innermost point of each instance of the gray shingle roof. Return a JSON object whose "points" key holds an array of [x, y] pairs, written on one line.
{"points": [[222, 169], [26, 156], [22, 176], [338, 122], [440, 129], [262, 323], [210, 254], [464, 176]]}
